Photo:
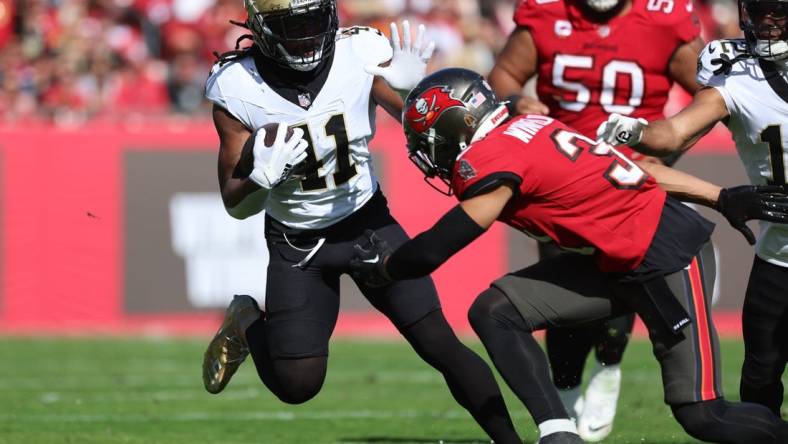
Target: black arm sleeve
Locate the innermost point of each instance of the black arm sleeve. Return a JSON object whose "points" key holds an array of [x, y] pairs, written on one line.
{"points": [[421, 255]]}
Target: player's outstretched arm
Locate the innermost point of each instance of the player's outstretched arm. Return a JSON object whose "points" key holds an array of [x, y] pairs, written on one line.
{"points": [[374, 264], [738, 204], [682, 186], [387, 98], [514, 66], [669, 136]]}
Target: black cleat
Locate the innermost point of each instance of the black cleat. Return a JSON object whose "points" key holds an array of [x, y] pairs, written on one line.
{"points": [[561, 438]]}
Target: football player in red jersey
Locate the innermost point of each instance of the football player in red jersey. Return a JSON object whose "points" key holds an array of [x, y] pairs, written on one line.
{"points": [[645, 252], [598, 57], [594, 58]]}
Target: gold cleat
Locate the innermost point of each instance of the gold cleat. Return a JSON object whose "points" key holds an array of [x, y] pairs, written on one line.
{"points": [[228, 348]]}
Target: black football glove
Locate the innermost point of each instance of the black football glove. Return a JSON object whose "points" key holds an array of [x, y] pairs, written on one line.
{"points": [[367, 264], [747, 202]]}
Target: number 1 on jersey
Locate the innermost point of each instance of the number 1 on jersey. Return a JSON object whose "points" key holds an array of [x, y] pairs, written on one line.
{"points": [[773, 136], [345, 170]]}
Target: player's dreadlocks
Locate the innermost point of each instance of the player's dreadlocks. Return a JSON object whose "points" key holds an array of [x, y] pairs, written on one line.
{"points": [[238, 52]]}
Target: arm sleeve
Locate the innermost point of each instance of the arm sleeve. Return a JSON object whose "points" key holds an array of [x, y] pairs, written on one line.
{"points": [[216, 95], [687, 26], [487, 165], [705, 73], [423, 254], [492, 182], [706, 76], [213, 90], [369, 44], [525, 14]]}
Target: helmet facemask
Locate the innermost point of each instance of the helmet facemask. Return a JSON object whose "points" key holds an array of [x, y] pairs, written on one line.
{"points": [[765, 26], [434, 157], [299, 36]]}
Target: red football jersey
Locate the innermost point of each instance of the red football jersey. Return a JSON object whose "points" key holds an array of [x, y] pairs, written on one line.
{"points": [[589, 70], [582, 195]]}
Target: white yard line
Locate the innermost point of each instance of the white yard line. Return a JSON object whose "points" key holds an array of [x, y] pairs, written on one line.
{"points": [[238, 417]]}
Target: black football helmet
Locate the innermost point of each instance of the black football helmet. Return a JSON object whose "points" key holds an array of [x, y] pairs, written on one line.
{"points": [[293, 33], [765, 26], [447, 111]]}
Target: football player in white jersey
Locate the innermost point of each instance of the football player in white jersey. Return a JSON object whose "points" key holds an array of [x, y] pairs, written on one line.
{"points": [[320, 194], [746, 89]]}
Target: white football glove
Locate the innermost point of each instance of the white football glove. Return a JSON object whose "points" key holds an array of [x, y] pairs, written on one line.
{"points": [[274, 164], [408, 62], [621, 130]]}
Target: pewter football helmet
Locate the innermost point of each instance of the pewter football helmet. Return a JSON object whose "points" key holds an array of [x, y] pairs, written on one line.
{"points": [[446, 112]]}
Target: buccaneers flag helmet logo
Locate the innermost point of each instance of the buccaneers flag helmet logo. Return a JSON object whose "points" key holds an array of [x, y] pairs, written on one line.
{"points": [[429, 106]]}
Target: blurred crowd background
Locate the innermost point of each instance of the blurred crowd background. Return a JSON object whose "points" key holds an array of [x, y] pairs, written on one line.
{"points": [[76, 61]]}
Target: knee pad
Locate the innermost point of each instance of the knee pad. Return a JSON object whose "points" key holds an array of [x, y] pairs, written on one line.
{"points": [[292, 391], [480, 312], [299, 380], [697, 417], [298, 394], [492, 309]]}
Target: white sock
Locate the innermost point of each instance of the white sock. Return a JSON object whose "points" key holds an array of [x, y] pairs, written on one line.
{"points": [[556, 425]]}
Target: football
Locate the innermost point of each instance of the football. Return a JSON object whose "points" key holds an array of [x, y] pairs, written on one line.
{"points": [[246, 162]]}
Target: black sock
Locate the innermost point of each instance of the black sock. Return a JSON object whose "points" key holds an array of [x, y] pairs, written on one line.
{"points": [[567, 349], [612, 339]]}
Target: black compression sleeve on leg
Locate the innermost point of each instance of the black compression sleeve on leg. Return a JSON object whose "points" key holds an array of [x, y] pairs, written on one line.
{"points": [[516, 354], [470, 380], [421, 255], [731, 422]]}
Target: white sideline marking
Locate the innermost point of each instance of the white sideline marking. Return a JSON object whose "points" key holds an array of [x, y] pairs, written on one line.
{"points": [[141, 380], [52, 397], [240, 416]]}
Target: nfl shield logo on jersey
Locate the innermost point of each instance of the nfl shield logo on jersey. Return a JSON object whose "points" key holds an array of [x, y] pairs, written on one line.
{"points": [[563, 28], [304, 100], [465, 170]]}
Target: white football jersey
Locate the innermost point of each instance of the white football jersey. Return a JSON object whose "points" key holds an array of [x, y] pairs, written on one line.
{"points": [[338, 125], [758, 105]]}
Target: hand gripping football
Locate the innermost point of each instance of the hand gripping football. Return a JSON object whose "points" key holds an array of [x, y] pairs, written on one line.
{"points": [[246, 162]]}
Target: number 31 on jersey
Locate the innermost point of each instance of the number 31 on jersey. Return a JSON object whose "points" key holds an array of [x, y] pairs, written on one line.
{"points": [[622, 173]]}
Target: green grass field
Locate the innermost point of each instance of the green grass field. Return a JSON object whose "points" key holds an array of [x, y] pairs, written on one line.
{"points": [[95, 391]]}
